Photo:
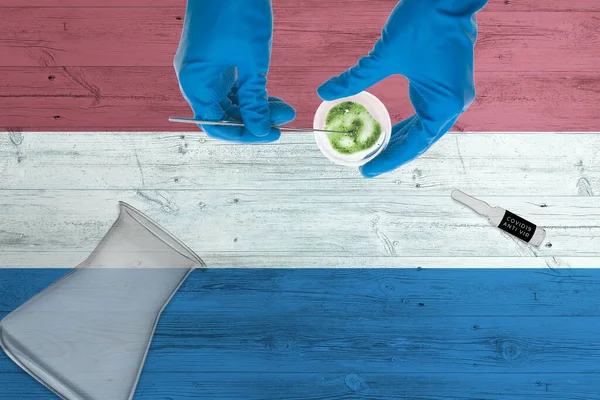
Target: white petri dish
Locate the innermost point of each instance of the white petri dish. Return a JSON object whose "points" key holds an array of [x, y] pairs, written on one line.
{"points": [[377, 110]]}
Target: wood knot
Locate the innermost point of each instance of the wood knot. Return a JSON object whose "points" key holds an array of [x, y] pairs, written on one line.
{"points": [[355, 382], [163, 199], [388, 287], [15, 137], [51, 77], [509, 349], [584, 188], [459, 128], [280, 345]]}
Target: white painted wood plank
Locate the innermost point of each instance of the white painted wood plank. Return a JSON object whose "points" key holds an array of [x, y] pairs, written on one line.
{"points": [[509, 164], [69, 259], [294, 223]]}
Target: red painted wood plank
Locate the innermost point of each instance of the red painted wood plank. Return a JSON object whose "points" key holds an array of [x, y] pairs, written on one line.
{"points": [[493, 5], [138, 98], [535, 70], [553, 41]]}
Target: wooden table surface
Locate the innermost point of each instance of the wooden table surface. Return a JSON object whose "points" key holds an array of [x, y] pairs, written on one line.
{"points": [[73, 65], [447, 307], [265, 334]]}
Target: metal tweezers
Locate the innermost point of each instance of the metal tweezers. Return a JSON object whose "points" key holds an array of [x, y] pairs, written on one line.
{"points": [[232, 123]]}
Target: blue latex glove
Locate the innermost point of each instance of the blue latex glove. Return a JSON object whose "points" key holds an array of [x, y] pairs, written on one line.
{"points": [[222, 64], [430, 42]]}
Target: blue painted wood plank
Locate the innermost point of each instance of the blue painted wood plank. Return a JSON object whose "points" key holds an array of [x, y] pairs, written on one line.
{"points": [[394, 292], [346, 386], [281, 341], [367, 333], [404, 292], [19, 285]]}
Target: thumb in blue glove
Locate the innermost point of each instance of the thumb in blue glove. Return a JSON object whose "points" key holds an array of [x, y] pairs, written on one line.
{"points": [[431, 43], [222, 64]]}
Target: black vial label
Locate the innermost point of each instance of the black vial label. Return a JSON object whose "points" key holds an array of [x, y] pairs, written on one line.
{"points": [[517, 226]]}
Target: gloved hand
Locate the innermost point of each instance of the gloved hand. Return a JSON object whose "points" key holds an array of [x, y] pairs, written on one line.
{"points": [[222, 64], [430, 42]]}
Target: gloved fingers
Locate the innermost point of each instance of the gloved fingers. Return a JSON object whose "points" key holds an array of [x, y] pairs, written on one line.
{"points": [[408, 142], [235, 134], [398, 129], [232, 110], [204, 86], [238, 134], [233, 94], [462, 8], [368, 71], [206, 89], [281, 112], [437, 111], [438, 106], [254, 103]]}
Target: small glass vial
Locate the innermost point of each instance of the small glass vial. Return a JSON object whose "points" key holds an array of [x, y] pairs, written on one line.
{"points": [[510, 223]]}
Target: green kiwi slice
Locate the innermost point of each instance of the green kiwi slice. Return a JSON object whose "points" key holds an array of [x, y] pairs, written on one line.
{"points": [[362, 131]]}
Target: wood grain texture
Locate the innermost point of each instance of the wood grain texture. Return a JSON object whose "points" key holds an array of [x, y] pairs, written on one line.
{"points": [[349, 386], [288, 223], [539, 42], [560, 291], [78, 98], [543, 165], [331, 337], [65, 259], [536, 64], [419, 331], [355, 334], [508, 6], [285, 210]]}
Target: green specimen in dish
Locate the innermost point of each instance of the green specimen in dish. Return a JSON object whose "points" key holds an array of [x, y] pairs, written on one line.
{"points": [[362, 130]]}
